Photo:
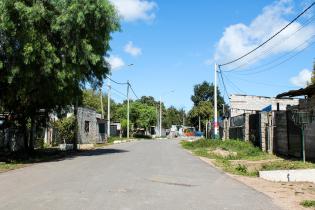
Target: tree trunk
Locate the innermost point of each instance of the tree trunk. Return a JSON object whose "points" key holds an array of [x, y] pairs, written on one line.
{"points": [[76, 132], [32, 134], [25, 134]]}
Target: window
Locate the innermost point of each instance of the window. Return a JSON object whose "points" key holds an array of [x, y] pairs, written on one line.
{"points": [[87, 126]]}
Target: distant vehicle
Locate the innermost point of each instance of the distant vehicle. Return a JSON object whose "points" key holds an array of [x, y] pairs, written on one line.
{"points": [[189, 131]]}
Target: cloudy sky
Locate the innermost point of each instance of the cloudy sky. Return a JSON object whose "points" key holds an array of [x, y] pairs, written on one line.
{"points": [[174, 45]]}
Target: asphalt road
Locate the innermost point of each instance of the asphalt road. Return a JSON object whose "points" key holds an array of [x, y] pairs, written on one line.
{"points": [[139, 175]]}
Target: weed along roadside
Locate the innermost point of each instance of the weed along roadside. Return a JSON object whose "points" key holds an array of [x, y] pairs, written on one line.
{"points": [[243, 161], [240, 157]]}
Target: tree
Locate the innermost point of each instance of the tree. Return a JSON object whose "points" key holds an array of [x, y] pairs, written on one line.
{"points": [[203, 100], [172, 116], [141, 115], [91, 99], [205, 92], [201, 113], [149, 100], [48, 50]]}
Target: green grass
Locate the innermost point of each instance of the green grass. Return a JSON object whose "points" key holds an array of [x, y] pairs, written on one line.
{"points": [[244, 150], [287, 165], [308, 203], [9, 166], [241, 150], [238, 170]]}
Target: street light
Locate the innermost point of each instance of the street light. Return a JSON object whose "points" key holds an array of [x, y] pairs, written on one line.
{"points": [[172, 91]]}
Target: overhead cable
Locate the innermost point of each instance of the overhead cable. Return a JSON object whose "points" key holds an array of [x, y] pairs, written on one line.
{"points": [[269, 39]]}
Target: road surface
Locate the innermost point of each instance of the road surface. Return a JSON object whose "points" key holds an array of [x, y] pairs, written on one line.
{"points": [[139, 175]]}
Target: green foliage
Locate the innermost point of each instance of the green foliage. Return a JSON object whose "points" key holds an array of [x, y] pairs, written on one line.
{"points": [[49, 49], [308, 203], [148, 100], [65, 128], [205, 92], [91, 99], [287, 165], [203, 100], [173, 116], [244, 150]]}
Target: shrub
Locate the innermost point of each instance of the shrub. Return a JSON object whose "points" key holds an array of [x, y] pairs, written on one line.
{"points": [[66, 129], [308, 203]]}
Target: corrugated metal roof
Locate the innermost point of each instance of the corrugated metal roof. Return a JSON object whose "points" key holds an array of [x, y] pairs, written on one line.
{"points": [[308, 91]]}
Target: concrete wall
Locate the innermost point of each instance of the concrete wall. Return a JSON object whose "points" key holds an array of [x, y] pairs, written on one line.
{"points": [[280, 133], [310, 130], [241, 104], [89, 116]]}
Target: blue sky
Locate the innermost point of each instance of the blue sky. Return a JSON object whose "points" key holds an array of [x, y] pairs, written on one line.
{"points": [[174, 44]]}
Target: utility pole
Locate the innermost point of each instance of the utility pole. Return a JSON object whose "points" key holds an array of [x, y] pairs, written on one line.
{"points": [[160, 116], [128, 85], [108, 108], [215, 102], [101, 97]]}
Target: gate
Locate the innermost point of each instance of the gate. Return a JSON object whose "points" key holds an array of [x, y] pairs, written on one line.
{"points": [[237, 125], [254, 129]]}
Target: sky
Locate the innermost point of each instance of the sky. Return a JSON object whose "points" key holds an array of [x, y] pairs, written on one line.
{"points": [[173, 45]]}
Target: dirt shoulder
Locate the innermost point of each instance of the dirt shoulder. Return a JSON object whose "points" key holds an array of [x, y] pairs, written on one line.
{"points": [[286, 195]]}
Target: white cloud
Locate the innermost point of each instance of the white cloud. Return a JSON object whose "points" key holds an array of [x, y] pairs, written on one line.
{"points": [[240, 38], [209, 62], [132, 50], [115, 62], [302, 79], [133, 10]]}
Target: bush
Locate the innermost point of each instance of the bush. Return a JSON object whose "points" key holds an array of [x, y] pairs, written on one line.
{"points": [[244, 150], [66, 129], [308, 203]]}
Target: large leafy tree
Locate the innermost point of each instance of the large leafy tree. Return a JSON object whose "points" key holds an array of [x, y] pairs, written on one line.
{"points": [[48, 50], [203, 112], [173, 116], [203, 100], [205, 92], [91, 99]]}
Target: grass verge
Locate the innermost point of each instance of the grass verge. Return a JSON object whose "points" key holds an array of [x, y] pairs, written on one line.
{"points": [[308, 203], [240, 157]]}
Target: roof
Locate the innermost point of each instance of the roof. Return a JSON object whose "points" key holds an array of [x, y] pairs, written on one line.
{"points": [[308, 91]]}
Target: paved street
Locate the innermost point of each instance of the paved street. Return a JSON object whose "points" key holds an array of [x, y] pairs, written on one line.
{"points": [[138, 175]]}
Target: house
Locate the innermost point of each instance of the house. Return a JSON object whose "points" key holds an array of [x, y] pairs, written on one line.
{"points": [[241, 104], [292, 138], [91, 127]]}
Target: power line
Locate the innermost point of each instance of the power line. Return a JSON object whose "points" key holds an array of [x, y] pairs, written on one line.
{"points": [[273, 46], [118, 83], [117, 91], [273, 36], [133, 91], [278, 64], [263, 83], [225, 89], [235, 87]]}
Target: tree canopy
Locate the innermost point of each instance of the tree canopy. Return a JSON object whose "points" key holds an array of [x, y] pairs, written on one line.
{"points": [[49, 49], [203, 100]]}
